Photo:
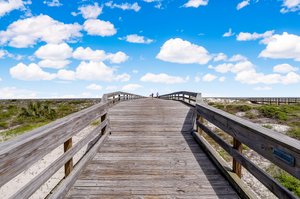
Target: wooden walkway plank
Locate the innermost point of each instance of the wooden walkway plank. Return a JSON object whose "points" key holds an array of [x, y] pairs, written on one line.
{"points": [[151, 154]]}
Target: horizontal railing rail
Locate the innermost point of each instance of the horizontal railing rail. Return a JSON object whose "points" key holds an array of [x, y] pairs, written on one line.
{"points": [[268, 100], [278, 148], [19, 154]]}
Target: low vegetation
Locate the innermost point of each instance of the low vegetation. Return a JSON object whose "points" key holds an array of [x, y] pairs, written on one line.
{"points": [[19, 116]]}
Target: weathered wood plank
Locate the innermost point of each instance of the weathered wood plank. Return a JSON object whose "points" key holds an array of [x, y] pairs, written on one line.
{"points": [[151, 153], [262, 140], [20, 153]]}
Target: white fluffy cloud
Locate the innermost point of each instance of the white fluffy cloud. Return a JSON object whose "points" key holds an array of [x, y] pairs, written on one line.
{"points": [[242, 4], [90, 11], [26, 32], [234, 68], [131, 87], [54, 51], [284, 68], [245, 36], [2, 53], [67, 75], [162, 78], [53, 3], [54, 55], [10, 5], [195, 3], [99, 55], [31, 72], [95, 87], [15, 93], [134, 38], [209, 77], [183, 52], [284, 46], [290, 6], [229, 33], [220, 57], [252, 77], [98, 71], [99, 28], [56, 64], [124, 6]]}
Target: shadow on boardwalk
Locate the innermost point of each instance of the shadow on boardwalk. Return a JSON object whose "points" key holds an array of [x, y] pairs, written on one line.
{"points": [[216, 181]]}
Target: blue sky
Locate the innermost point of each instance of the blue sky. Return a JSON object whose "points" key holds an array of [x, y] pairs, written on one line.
{"points": [[55, 48]]}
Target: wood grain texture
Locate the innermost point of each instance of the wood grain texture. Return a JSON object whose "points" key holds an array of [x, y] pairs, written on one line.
{"points": [[20, 153], [151, 154], [263, 141]]}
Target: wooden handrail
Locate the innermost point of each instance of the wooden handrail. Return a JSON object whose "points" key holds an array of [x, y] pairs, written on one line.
{"points": [[278, 148], [22, 152]]}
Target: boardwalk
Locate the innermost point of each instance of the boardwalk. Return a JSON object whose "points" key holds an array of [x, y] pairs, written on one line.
{"points": [[151, 154]]}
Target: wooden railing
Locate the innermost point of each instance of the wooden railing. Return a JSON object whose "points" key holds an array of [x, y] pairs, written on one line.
{"points": [[278, 148], [263, 100], [21, 153]]}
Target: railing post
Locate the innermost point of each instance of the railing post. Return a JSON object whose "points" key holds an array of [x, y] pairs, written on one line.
{"points": [[103, 117], [69, 163], [200, 119], [237, 167]]}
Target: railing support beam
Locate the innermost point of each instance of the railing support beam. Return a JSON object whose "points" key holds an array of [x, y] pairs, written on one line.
{"points": [[69, 164], [237, 167]]}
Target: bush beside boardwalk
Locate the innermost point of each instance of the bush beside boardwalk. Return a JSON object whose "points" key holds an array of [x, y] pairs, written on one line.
{"points": [[19, 116]]}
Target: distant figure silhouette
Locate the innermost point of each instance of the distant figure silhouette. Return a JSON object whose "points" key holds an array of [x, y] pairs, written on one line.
{"points": [[152, 95], [157, 95]]}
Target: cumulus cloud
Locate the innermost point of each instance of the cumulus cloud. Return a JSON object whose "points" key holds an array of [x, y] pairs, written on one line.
{"points": [[32, 72], [67, 75], [183, 52], [53, 3], [3, 53], [284, 68], [245, 36], [16, 93], [220, 57], [54, 55], [246, 73], [10, 5], [89, 11], [95, 87], [234, 68], [252, 77], [209, 77], [237, 58], [99, 28], [134, 38], [229, 33], [27, 32], [56, 64], [284, 46], [242, 4], [195, 3], [99, 55], [290, 6], [54, 51], [162, 78], [131, 87], [124, 6], [98, 71]]}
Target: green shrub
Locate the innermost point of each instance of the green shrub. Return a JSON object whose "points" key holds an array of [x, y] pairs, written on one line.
{"points": [[294, 132], [289, 182], [274, 112], [268, 126]]}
